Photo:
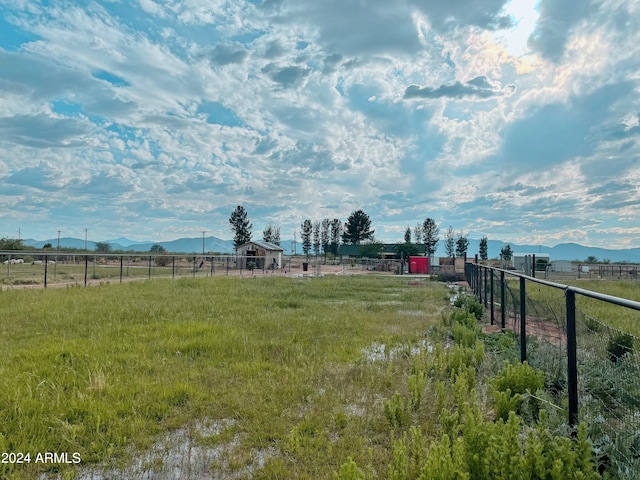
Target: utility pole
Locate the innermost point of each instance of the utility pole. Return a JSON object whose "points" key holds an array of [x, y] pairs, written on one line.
{"points": [[85, 238], [19, 232], [203, 232], [294, 241], [59, 239]]}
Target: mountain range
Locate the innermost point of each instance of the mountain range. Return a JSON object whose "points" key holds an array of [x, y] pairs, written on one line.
{"points": [[563, 251]]}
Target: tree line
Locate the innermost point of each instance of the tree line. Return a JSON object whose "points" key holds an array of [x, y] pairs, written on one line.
{"points": [[324, 236]]}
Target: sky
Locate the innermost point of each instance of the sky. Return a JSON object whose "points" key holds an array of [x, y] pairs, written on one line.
{"points": [[154, 119]]}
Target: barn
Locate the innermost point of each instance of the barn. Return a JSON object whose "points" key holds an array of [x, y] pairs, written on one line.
{"points": [[267, 255]]}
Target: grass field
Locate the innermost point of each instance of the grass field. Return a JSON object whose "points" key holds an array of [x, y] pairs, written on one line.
{"points": [[620, 318], [257, 378]]}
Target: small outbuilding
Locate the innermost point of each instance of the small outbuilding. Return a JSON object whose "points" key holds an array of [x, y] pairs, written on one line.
{"points": [[258, 254], [418, 264]]}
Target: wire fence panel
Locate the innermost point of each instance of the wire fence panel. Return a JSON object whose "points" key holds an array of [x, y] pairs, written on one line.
{"points": [[38, 268], [600, 382]]}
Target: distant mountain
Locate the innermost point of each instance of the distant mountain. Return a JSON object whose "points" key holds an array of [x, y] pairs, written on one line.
{"points": [[65, 242], [563, 251], [125, 242]]}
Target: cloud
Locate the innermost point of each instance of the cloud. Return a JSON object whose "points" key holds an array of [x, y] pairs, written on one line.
{"points": [[178, 111], [286, 76], [479, 87], [226, 54], [43, 131], [446, 16], [556, 24]]}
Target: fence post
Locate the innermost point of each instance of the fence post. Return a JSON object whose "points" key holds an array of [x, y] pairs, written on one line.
{"points": [[46, 264], [503, 303], [486, 287], [492, 301], [86, 269], [533, 265], [572, 360], [523, 321], [173, 267], [149, 267], [121, 268], [194, 267]]}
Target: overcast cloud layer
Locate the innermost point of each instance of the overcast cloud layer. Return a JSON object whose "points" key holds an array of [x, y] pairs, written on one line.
{"points": [[153, 119]]}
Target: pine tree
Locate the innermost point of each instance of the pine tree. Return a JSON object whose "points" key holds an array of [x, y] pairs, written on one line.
{"points": [[271, 234], [449, 243], [484, 248], [241, 226], [430, 232], [306, 230], [357, 228], [336, 234], [316, 238], [325, 236], [407, 235], [462, 244]]}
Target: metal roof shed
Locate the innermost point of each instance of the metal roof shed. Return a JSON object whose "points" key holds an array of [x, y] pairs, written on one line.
{"points": [[267, 255]]}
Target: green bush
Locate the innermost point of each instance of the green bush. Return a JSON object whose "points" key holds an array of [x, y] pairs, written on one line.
{"points": [[620, 346], [510, 386], [471, 305]]}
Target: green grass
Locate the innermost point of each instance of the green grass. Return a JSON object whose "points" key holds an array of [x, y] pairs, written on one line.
{"points": [[621, 318], [28, 274], [107, 371]]}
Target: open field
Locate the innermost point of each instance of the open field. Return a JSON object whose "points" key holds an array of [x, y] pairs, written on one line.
{"points": [[72, 270], [620, 318], [275, 377]]}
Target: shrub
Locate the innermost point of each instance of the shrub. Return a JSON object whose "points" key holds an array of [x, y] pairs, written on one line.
{"points": [[510, 386], [162, 260], [619, 346], [471, 305]]}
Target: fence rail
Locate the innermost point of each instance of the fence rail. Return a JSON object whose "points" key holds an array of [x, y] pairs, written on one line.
{"points": [[40, 268], [592, 363], [61, 268]]}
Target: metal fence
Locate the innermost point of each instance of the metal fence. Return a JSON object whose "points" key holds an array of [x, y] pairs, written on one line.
{"points": [[37, 268], [591, 363]]}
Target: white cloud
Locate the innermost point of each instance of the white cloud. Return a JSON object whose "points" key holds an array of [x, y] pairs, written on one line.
{"points": [[177, 111]]}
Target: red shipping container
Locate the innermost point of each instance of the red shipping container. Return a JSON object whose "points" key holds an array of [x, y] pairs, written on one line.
{"points": [[418, 265]]}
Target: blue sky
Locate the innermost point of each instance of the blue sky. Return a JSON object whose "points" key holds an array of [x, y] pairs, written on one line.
{"points": [[153, 119]]}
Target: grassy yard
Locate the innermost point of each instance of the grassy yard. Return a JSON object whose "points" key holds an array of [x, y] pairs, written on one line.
{"points": [[620, 318], [260, 378]]}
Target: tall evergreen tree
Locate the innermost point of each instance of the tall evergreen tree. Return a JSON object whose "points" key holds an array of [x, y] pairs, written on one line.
{"points": [[484, 248], [316, 238], [506, 253], [275, 235], [271, 234], [325, 236], [267, 233], [336, 234], [462, 245], [418, 234], [450, 242], [241, 226], [306, 230], [407, 235], [357, 228], [430, 232]]}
